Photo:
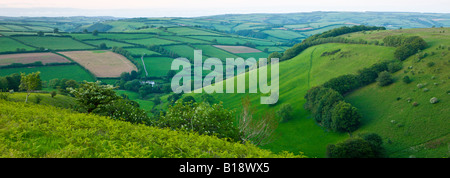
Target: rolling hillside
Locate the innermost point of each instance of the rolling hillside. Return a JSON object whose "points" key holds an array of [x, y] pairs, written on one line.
{"points": [[420, 126]]}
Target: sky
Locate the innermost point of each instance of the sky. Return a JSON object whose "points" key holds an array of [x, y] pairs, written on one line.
{"points": [[193, 8]]}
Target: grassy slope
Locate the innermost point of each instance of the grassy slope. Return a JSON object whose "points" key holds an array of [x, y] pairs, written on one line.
{"points": [[421, 131], [296, 77], [52, 72], [27, 131]]}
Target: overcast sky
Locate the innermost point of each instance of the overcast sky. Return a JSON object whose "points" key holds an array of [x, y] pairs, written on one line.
{"points": [[190, 8]]}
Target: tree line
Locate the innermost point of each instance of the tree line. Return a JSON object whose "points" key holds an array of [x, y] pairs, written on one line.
{"points": [[329, 36]]}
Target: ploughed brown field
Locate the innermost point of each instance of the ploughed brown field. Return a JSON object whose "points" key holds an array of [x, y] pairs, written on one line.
{"points": [[26, 58], [237, 49], [103, 64]]}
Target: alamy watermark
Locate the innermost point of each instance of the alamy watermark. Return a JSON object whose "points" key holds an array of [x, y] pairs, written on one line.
{"points": [[257, 74]]}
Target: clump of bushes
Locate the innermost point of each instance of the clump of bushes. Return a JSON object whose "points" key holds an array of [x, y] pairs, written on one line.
{"points": [[384, 78], [367, 145], [285, 112], [406, 79]]}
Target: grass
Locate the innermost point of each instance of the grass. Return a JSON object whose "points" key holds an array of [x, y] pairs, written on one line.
{"points": [[182, 50], [296, 77], [156, 66], [141, 51], [146, 105], [55, 43], [212, 51], [221, 39], [420, 131], [151, 41], [117, 36], [184, 31], [284, 34], [74, 72], [7, 44], [185, 39], [36, 131], [59, 101], [108, 43]]}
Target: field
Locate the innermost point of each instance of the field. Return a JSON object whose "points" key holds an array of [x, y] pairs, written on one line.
{"points": [[283, 34], [156, 66], [185, 40], [55, 43], [185, 31], [74, 72], [103, 64], [141, 51], [118, 36], [237, 49], [10, 45], [406, 130], [182, 50], [108, 43], [212, 51], [26, 58], [151, 41]]}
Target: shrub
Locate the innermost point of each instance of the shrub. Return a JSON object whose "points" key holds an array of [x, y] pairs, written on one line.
{"points": [[92, 96], [384, 78], [345, 117], [430, 64], [53, 94], [394, 66], [200, 117], [351, 148], [285, 112], [406, 79], [320, 102]]}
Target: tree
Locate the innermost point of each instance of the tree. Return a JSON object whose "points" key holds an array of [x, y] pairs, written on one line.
{"points": [[207, 98], [170, 74], [102, 46], [40, 33], [95, 32], [53, 94], [320, 102], [285, 112], [406, 79], [29, 83], [189, 99], [55, 30], [85, 31], [345, 117], [384, 78], [351, 148], [376, 142], [202, 118], [125, 110], [258, 131], [92, 96], [274, 55]]}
